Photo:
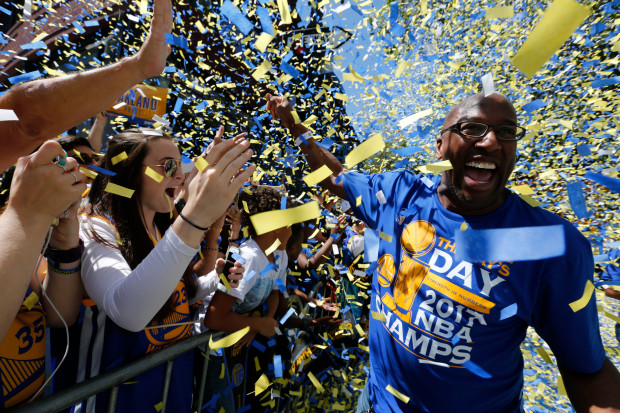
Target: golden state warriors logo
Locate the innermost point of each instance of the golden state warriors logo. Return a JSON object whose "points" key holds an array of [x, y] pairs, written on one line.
{"points": [[174, 327]]}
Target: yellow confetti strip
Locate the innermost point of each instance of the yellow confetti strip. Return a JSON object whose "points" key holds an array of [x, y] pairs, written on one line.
{"points": [[530, 201], [464, 226], [499, 12], [261, 70], [119, 158], [397, 394], [561, 388], [270, 220], [153, 175], [359, 330], [256, 364], [439, 166], [225, 282], [31, 300], [559, 22], [261, 384], [585, 298], [273, 247], [88, 172], [377, 315], [119, 190], [358, 201], [285, 12], [229, 340], [317, 176], [523, 189], [159, 406], [385, 236], [316, 382], [201, 163], [263, 41], [365, 150], [223, 371], [170, 206], [543, 353]]}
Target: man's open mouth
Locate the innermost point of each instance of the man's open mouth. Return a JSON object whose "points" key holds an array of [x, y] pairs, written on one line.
{"points": [[480, 172]]}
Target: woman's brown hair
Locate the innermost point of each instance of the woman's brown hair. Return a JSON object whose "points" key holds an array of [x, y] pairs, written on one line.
{"points": [[126, 214]]}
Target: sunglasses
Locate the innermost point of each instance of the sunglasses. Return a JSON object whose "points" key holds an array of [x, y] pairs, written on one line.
{"points": [[170, 167]]}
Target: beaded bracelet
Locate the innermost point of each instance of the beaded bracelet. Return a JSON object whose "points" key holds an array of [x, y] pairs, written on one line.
{"points": [[210, 249]]}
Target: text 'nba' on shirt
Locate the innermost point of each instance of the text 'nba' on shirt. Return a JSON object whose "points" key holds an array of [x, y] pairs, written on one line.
{"points": [[433, 304]]}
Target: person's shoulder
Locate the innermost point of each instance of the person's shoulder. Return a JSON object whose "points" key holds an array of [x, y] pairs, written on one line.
{"points": [[538, 216]]}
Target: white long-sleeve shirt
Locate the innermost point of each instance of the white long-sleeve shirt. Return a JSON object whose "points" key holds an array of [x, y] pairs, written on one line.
{"points": [[132, 298]]}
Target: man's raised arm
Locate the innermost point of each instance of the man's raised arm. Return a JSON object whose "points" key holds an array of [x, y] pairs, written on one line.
{"points": [[317, 156], [48, 107]]}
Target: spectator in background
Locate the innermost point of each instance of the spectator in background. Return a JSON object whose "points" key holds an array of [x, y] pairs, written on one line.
{"points": [[45, 108], [611, 273], [79, 148], [136, 256], [43, 186]]}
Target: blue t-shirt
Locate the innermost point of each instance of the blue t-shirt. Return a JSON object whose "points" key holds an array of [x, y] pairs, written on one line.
{"points": [[612, 270], [450, 349]]}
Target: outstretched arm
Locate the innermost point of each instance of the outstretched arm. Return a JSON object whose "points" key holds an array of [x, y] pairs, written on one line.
{"points": [[598, 391], [317, 156], [48, 107]]}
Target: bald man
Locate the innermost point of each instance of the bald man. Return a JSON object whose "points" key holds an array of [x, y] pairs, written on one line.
{"points": [[450, 345]]}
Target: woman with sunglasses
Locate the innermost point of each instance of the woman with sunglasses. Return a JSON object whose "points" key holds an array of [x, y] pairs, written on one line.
{"points": [[135, 263]]}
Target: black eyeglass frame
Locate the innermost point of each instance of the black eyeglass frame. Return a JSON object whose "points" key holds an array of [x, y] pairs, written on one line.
{"points": [[173, 169], [457, 128]]}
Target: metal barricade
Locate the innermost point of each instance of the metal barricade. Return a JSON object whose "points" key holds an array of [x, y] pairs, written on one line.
{"points": [[112, 379]]}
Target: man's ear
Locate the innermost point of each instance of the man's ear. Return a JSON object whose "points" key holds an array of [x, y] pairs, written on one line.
{"points": [[438, 148]]}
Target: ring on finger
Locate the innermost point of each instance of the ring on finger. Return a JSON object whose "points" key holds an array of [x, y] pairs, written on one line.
{"points": [[74, 177], [62, 166], [66, 213]]}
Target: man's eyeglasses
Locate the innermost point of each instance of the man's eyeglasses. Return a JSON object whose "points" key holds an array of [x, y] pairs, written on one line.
{"points": [[479, 130], [170, 167], [89, 160]]}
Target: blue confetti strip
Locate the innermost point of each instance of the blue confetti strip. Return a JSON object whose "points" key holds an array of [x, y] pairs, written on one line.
{"points": [[577, 199], [237, 258], [177, 41], [25, 77], [371, 245], [534, 105], [288, 314], [280, 284], [268, 268], [599, 83], [277, 365], [509, 311], [510, 244], [249, 276], [233, 14], [5, 11], [476, 369], [35, 45], [79, 27], [102, 170], [609, 182], [265, 20]]}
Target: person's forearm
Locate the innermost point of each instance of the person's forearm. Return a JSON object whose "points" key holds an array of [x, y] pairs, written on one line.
{"points": [[272, 303], [317, 156], [41, 117], [610, 292], [321, 254], [20, 248], [600, 389], [65, 291], [96, 132], [229, 321]]}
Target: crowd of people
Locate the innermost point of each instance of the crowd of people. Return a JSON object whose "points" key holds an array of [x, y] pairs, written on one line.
{"points": [[137, 254]]}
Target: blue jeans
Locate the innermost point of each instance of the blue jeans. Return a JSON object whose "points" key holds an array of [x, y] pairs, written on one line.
{"points": [[363, 402]]}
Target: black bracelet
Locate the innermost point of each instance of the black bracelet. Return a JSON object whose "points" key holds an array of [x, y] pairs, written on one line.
{"points": [[184, 218], [65, 256]]}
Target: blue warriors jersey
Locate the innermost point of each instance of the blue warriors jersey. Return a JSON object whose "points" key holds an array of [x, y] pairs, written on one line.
{"points": [[453, 328], [22, 355]]}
